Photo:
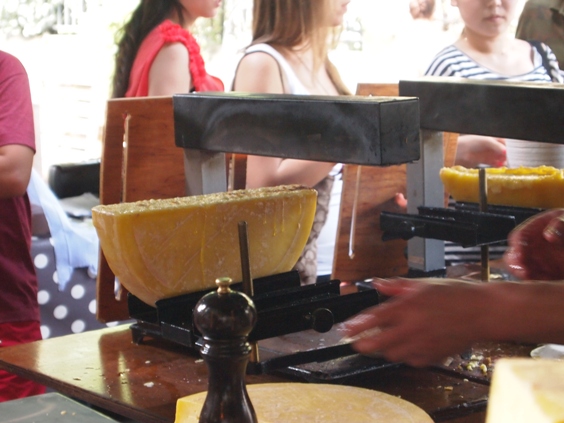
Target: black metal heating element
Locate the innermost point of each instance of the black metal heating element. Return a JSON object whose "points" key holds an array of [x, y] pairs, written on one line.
{"points": [[283, 307], [463, 224]]}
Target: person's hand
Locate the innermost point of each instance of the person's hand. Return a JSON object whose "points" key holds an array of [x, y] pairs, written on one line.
{"points": [[475, 150], [536, 247], [424, 321], [400, 201]]}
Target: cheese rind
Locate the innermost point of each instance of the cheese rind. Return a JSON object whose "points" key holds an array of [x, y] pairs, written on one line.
{"points": [[527, 390], [520, 187], [162, 248], [315, 403]]}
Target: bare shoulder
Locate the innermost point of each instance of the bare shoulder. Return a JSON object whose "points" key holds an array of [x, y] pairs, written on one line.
{"points": [[173, 53], [169, 72], [258, 72], [521, 43], [524, 48], [259, 60]]}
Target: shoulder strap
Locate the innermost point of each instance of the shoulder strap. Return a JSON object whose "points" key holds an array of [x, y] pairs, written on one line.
{"points": [[294, 85], [538, 46]]}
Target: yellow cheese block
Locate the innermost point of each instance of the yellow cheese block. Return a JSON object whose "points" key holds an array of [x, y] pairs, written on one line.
{"points": [[527, 390], [541, 187], [315, 403], [162, 248]]}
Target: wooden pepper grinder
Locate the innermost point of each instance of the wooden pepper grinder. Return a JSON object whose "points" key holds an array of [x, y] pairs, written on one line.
{"points": [[225, 318]]}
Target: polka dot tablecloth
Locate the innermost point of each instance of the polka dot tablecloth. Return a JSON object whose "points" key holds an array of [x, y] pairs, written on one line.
{"points": [[64, 312]]}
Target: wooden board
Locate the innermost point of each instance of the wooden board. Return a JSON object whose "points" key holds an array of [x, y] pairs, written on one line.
{"points": [[143, 382], [360, 252], [140, 161]]}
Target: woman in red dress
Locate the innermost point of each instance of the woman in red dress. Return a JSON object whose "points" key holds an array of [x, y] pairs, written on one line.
{"points": [[157, 55]]}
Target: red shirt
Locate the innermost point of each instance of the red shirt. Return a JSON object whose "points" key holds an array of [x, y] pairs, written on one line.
{"points": [[167, 33], [18, 283]]}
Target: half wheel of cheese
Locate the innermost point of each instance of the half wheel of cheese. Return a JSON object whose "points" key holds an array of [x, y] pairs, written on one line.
{"points": [[163, 248], [539, 187], [526, 390], [315, 403]]}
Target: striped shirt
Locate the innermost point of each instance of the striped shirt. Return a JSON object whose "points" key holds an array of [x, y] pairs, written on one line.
{"points": [[453, 62]]}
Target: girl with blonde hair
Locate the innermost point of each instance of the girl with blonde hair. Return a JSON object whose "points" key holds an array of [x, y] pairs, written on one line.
{"points": [[289, 55]]}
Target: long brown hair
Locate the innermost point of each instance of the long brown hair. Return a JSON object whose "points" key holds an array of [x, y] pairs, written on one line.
{"points": [[148, 15], [292, 23]]}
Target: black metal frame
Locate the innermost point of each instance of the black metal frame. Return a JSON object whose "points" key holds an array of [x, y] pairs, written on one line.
{"points": [[283, 307]]}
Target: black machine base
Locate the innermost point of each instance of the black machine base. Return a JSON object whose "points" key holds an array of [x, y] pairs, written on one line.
{"points": [[284, 308]]}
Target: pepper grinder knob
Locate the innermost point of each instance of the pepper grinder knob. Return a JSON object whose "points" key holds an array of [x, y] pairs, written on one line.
{"points": [[225, 318]]}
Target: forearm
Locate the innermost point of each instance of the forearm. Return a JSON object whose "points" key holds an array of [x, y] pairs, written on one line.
{"points": [[525, 312], [168, 73], [15, 170], [473, 150], [271, 172]]}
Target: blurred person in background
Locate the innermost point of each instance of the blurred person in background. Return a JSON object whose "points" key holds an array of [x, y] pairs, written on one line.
{"points": [[418, 39], [422, 9], [157, 55], [543, 20], [486, 50], [19, 309], [289, 55]]}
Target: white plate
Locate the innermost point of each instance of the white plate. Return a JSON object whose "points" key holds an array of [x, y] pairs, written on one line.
{"points": [[553, 351]]}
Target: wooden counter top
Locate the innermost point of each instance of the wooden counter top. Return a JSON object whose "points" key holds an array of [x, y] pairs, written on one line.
{"points": [[107, 369], [143, 382]]}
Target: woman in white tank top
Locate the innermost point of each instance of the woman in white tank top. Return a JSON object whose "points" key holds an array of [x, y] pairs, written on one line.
{"points": [[288, 55]]}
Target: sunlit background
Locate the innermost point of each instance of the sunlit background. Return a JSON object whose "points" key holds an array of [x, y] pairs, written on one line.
{"points": [[67, 47]]}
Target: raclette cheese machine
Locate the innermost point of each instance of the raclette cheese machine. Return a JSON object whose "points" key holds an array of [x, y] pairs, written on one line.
{"points": [[373, 131], [516, 110]]}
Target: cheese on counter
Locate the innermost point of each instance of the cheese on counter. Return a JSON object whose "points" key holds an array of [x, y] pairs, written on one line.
{"points": [[527, 390], [163, 248], [520, 187], [315, 403]]}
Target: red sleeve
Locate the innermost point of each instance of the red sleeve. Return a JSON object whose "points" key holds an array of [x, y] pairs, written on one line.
{"points": [[166, 33], [16, 112]]}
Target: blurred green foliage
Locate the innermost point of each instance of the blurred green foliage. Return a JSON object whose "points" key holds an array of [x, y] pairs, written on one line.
{"points": [[29, 18]]}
